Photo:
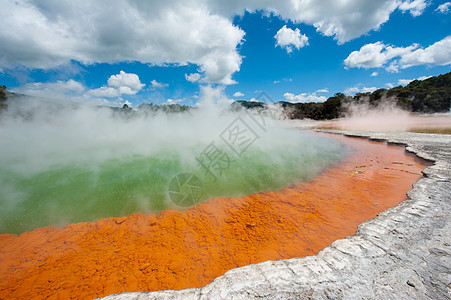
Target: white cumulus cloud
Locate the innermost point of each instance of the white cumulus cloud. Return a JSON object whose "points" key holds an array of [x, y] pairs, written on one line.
{"points": [[407, 81], [119, 84], [157, 85], [444, 8], [56, 89], [437, 54], [375, 55], [393, 58], [45, 34], [173, 101], [416, 7], [357, 89], [69, 90], [105, 91], [238, 94], [288, 39], [343, 20], [283, 79], [374, 74], [127, 81], [304, 97], [194, 77]]}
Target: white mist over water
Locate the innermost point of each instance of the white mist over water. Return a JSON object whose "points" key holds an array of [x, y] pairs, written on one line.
{"points": [[386, 116], [64, 163], [37, 133]]}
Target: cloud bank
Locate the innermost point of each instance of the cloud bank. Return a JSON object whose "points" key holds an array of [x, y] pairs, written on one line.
{"points": [[304, 97], [46, 34], [378, 55], [74, 91]]}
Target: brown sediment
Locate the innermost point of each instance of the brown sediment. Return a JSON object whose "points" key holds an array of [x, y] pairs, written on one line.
{"points": [[176, 250]]}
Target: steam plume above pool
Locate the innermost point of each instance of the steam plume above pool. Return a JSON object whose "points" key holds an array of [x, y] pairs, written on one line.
{"points": [[64, 163]]}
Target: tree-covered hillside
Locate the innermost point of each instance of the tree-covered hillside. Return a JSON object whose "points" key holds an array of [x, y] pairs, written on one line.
{"points": [[427, 96]]}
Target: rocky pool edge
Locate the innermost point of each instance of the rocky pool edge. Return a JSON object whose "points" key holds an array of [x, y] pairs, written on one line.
{"points": [[403, 253]]}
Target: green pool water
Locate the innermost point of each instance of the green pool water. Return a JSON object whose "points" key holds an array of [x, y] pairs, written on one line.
{"points": [[76, 192], [81, 165]]}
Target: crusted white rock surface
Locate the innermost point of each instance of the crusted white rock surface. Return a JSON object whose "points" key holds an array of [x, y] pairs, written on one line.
{"points": [[404, 253]]}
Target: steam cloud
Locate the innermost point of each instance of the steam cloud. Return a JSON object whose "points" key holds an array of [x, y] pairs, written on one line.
{"points": [[48, 143], [386, 116]]}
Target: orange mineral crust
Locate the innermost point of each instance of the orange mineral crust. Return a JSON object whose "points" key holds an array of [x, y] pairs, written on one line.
{"points": [[183, 249]]}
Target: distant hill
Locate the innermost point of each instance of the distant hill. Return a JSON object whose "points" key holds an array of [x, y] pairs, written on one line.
{"points": [[427, 96], [125, 110]]}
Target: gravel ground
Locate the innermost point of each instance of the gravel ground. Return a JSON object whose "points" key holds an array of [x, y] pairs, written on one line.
{"points": [[404, 253]]}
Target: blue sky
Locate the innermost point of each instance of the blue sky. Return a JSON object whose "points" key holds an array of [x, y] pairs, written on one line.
{"points": [[46, 50]]}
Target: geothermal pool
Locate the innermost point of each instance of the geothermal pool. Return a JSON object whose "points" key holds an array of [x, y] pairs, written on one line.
{"points": [[83, 164], [289, 193], [182, 249]]}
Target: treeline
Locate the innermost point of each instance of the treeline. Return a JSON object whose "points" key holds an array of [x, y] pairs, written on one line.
{"points": [[167, 108], [3, 97], [330, 109], [427, 96]]}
